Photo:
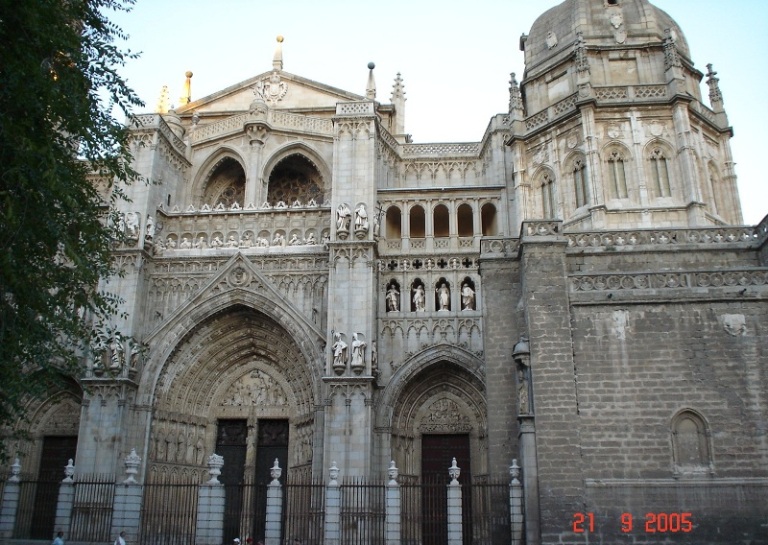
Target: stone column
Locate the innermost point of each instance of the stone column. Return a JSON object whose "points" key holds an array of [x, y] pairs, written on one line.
{"points": [[210, 506], [10, 502], [516, 519], [333, 508], [454, 506], [66, 498], [127, 502], [393, 507], [274, 507]]}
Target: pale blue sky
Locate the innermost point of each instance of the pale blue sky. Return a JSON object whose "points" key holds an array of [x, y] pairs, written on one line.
{"points": [[455, 57]]}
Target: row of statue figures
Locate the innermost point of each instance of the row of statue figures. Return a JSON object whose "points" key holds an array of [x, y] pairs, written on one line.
{"points": [[236, 207], [361, 225], [355, 355], [442, 297], [244, 241]]}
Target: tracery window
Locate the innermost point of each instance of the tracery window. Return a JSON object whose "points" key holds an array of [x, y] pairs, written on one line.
{"points": [[618, 174], [225, 184], [660, 173], [580, 182], [548, 196], [295, 180]]}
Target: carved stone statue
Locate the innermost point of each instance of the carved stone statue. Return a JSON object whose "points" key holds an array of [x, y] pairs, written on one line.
{"points": [[361, 218], [150, 234], [443, 297], [358, 352], [393, 299], [523, 399], [418, 298], [467, 297], [339, 351], [343, 217]]}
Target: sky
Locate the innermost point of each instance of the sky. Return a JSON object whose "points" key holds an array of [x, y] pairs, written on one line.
{"points": [[455, 58]]}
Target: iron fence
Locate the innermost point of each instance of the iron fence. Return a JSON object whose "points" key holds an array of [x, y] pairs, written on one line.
{"points": [[92, 508], [168, 514], [303, 512], [363, 505]]}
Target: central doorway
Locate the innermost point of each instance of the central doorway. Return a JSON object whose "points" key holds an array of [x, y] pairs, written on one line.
{"points": [[245, 497], [437, 453]]}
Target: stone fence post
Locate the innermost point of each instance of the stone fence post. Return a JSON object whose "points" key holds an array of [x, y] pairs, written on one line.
{"points": [[393, 507], [127, 502], [516, 517], [10, 502], [333, 508], [66, 499], [210, 506], [454, 506], [274, 507]]}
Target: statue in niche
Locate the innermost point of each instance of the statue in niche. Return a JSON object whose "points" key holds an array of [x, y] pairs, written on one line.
{"points": [[343, 217], [117, 356], [185, 244], [170, 243], [374, 356], [361, 218], [467, 297], [358, 351], [245, 241], [418, 298], [231, 242], [294, 240], [200, 243], [443, 296], [393, 299], [339, 351], [216, 242], [278, 240], [150, 234], [523, 393], [311, 240]]}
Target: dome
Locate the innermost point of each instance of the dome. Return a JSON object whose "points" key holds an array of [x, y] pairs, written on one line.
{"points": [[603, 23]]}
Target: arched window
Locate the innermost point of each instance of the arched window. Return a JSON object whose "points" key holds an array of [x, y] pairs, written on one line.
{"points": [[394, 226], [465, 220], [489, 220], [691, 448], [418, 222], [441, 221], [295, 179], [225, 184], [618, 175], [579, 170], [660, 173], [548, 201]]}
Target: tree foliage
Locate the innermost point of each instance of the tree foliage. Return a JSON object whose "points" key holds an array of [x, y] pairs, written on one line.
{"points": [[59, 85]]}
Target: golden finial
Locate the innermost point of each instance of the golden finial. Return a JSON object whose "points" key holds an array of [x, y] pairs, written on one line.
{"points": [[277, 60], [186, 96]]}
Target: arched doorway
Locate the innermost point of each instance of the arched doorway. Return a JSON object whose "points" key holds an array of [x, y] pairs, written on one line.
{"points": [[238, 385]]}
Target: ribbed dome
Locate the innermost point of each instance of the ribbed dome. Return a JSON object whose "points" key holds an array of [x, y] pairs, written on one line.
{"points": [[603, 23]]}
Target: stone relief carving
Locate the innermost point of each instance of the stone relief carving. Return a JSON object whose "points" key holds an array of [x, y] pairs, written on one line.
{"points": [[343, 217], [256, 388], [551, 39], [339, 348], [467, 297], [734, 324], [419, 298], [393, 298], [271, 89], [444, 415], [358, 352], [361, 219], [443, 297]]}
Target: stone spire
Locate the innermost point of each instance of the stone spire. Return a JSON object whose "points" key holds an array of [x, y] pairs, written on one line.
{"points": [[277, 60], [164, 102], [715, 96], [370, 88], [398, 101], [186, 95], [515, 98]]}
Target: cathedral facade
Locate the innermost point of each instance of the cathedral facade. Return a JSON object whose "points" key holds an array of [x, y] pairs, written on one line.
{"points": [[575, 291]]}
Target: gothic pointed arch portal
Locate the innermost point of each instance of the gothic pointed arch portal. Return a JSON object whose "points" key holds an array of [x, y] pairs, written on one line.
{"points": [[236, 365], [443, 398]]}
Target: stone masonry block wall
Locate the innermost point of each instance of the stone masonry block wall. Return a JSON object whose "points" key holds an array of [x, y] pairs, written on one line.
{"points": [[638, 365], [545, 293], [503, 327]]}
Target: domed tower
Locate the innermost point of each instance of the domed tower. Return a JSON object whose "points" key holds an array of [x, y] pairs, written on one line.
{"points": [[608, 126]]}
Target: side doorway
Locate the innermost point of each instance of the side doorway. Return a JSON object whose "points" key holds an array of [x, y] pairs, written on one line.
{"points": [[56, 453]]}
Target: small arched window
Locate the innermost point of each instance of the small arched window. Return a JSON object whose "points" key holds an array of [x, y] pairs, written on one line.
{"points": [[580, 182], [440, 221], [393, 223], [660, 173], [617, 174], [418, 222], [465, 220], [489, 221], [691, 448]]}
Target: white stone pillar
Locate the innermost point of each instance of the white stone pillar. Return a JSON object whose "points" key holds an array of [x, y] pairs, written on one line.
{"points": [[333, 508], [66, 498], [454, 506], [274, 507], [516, 518], [10, 502], [393, 507], [127, 502], [210, 506]]}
